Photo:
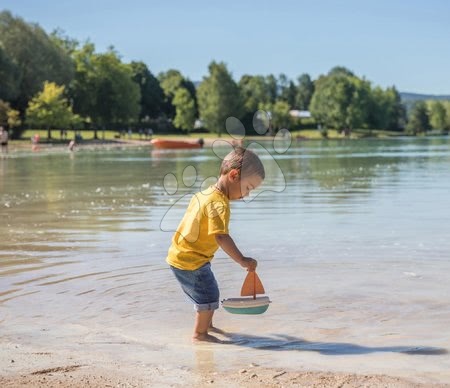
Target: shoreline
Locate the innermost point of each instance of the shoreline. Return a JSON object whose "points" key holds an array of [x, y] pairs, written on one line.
{"points": [[113, 143], [33, 367], [208, 138], [21, 146], [82, 376]]}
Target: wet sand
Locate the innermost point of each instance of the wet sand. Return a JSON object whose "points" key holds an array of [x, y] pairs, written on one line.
{"points": [[22, 366]]}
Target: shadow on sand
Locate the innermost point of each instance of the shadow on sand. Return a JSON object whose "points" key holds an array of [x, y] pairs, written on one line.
{"points": [[280, 342]]}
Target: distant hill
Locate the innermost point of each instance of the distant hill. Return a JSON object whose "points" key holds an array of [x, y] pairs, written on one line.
{"points": [[409, 99], [420, 97]]}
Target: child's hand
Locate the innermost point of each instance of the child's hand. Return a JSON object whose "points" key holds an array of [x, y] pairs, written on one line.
{"points": [[249, 263]]}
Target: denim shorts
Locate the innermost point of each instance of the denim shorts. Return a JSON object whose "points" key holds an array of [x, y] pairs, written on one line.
{"points": [[200, 286]]}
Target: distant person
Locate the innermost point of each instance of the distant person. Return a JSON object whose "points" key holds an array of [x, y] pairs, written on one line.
{"points": [[130, 133], [4, 137], [72, 145], [204, 228], [35, 142], [150, 133]]}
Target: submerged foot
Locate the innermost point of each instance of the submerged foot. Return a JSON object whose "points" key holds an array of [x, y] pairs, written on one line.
{"points": [[205, 338]]}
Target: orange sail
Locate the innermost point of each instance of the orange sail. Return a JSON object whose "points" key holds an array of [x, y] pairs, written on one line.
{"points": [[252, 285]]}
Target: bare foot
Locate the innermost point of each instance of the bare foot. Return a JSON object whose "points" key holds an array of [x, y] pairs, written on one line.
{"points": [[205, 338]]}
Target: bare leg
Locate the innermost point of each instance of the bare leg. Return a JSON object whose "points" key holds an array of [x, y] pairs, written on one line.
{"points": [[203, 320]]}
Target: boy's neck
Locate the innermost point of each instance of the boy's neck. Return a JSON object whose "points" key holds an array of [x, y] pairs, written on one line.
{"points": [[222, 187]]}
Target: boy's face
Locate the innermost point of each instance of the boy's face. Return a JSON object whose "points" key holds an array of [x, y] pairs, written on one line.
{"points": [[241, 187]]}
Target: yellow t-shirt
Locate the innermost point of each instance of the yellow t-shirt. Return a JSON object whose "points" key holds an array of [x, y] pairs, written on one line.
{"points": [[194, 242]]}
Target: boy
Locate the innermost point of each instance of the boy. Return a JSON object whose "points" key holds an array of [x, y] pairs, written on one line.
{"points": [[204, 228]]}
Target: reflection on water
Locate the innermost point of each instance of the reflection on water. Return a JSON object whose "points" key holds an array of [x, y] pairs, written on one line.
{"points": [[353, 250]]}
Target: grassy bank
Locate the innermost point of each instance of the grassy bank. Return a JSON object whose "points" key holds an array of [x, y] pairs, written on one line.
{"points": [[313, 133], [107, 135], [308, 134]]}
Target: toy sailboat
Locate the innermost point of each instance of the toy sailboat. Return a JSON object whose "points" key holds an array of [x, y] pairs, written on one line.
{"points": [[252, 286]]}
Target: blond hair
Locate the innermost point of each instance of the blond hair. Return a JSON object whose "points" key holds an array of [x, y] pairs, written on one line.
{"points": [[243, 160]]}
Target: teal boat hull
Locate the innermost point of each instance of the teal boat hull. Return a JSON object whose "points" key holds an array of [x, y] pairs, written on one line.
{"points": [[249, 306], [247, 310]]}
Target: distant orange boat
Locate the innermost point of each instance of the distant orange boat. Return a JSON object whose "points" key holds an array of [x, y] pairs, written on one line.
{"points": [[176, 144]]}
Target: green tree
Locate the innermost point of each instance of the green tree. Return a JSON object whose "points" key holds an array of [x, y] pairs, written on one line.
{"points": [[152, 95], [305, 91], [118, 96], [9, 117], [378, 113], [287, 90], [185, 110], [446, 105], [170, 82], [83, 89], [279, 115], [396, 110], [254, 91], [9, 77], [341, 101], [50, 109], [341, 70], [36, 57], [14, 120], [272, 86], [63, 41], [386, 110], [418, 119], [437, 114], [103, 90], [218, 98]]}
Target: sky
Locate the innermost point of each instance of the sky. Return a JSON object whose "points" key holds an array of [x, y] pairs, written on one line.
{"points": [[405, 43]]}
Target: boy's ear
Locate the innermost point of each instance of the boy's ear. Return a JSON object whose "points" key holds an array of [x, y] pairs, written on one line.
{"points": [[234, 174]]}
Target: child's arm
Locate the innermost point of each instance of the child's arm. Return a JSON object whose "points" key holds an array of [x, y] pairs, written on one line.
{"points": [[227, 244]]}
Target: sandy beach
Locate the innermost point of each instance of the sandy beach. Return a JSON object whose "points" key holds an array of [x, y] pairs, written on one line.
{"points": [[22, 366], [57, 144], [100, 144], [24, 146]]}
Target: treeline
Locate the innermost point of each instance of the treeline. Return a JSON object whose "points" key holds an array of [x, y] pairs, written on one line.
{"points": [[53, 81]]}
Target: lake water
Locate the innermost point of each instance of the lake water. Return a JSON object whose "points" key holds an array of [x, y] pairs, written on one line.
{"points": [[352, 239]]}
